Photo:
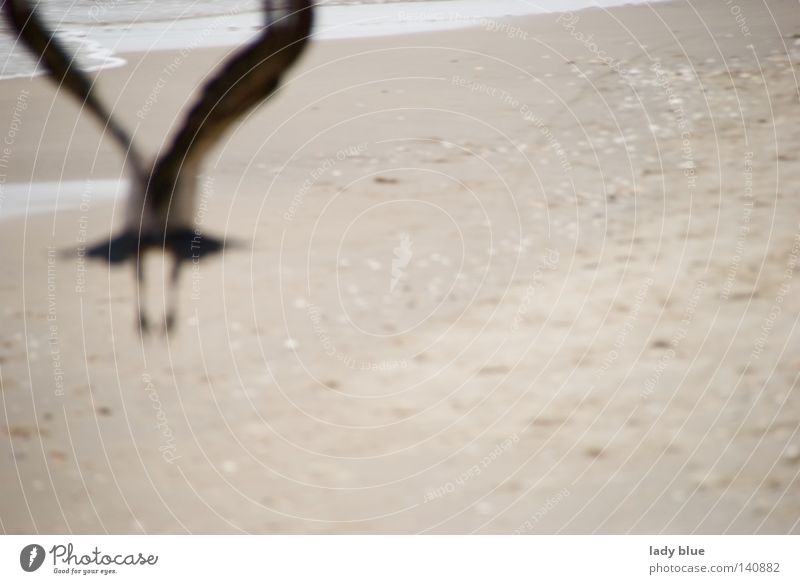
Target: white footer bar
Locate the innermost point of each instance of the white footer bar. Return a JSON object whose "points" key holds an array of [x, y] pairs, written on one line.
{"points": [[400, 559]]}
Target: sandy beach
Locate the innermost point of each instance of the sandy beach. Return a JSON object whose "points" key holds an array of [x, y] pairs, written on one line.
{"points": [[534, 276]]}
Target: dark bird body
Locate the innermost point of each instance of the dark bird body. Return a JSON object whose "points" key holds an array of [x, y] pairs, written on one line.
{"points": [[161, 203]]}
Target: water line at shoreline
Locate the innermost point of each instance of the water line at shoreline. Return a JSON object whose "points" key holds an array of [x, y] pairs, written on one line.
{"points": [[99, 45]]}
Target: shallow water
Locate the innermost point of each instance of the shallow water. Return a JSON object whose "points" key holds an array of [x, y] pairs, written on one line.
{"points": [[97, 31], [21, 200]]}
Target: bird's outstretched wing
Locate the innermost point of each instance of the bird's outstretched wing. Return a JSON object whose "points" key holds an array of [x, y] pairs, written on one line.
{"points": [[23, 17], [246, 79]]}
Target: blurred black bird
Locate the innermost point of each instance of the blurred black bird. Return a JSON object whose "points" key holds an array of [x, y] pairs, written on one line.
{"points": [[161, 202]]}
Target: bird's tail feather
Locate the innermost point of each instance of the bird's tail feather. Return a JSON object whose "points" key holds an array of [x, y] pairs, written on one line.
{"points": [[184, 244]]}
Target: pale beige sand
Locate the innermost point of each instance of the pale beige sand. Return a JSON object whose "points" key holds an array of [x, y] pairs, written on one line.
{"points": [[579, 337]]}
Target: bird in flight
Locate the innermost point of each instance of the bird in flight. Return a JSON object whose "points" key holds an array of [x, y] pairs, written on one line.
{"points": [[160, 213]]}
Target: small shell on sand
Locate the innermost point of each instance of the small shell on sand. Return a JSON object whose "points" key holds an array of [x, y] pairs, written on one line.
{"points": [[792, 453]]}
